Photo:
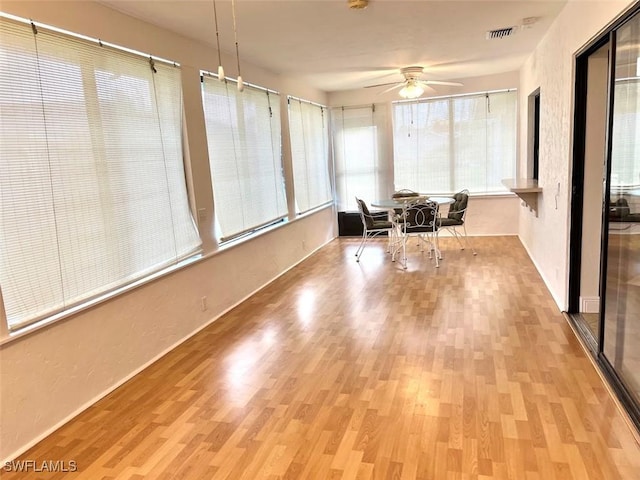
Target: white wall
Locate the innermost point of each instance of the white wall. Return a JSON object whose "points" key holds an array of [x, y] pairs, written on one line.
{"points": [[487, 215], [551, 67], [595, 150], [49, 375]]}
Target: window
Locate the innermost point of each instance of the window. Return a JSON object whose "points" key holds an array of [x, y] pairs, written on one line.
{"points": [[243, 135], [535, 141], [361, 152], [309, 136], [93, 194], [444, 145]]}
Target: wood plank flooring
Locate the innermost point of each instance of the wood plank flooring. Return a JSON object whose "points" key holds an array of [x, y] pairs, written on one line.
{"points": [[345, 370]]}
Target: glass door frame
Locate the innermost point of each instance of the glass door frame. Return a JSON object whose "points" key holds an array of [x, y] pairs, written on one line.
{"points": [[577, 196], [577, 189]]}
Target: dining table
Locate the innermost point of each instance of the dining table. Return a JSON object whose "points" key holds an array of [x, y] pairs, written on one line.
{"points": [[394, 205], [400, 202]]}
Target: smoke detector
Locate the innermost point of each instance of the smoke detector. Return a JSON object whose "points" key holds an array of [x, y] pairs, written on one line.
{"points": [[358, 4]]}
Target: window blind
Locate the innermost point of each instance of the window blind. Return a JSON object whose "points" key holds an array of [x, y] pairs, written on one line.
{"points": [[361, 154], [92, 191], [243, 137], [309, 137], [625, 164], [444, 145]]}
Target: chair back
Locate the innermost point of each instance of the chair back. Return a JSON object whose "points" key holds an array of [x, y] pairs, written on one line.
{"points": [[421, 217], [404, 193], [459, 206], [365, 215]]}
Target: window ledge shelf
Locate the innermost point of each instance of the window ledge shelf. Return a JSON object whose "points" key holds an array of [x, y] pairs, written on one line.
{"points": [[527, 189]]}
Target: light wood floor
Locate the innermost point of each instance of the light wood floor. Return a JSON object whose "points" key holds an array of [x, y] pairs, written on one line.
{"points": [[347, 370]]}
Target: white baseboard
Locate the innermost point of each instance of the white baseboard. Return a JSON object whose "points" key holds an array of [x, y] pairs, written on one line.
{"points": [[589, 304], [559, 302]]}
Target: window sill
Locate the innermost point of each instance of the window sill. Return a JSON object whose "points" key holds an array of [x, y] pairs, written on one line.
{"points": [[7, 336], [20, 332]]}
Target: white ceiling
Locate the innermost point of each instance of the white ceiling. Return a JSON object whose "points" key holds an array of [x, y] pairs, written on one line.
{"points": [[335, 48]]}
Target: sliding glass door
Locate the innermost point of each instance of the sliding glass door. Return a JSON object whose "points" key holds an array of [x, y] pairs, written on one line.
{"points": [[621, 346]]}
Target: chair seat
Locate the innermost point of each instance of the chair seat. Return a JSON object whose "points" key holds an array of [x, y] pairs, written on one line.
{"points": [[377, 224], [449, 222], [421, 229]]}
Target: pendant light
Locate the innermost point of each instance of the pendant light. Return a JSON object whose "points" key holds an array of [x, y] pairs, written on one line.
{"points": [[220, 69], [235, 34]]}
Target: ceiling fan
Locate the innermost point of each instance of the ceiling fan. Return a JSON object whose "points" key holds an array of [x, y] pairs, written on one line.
{"points": [[412, 86]]}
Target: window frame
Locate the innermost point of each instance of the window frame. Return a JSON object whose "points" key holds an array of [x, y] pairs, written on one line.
{"points": [[310, 162], [240, 138], [171, 154], [377, 128], [497, 188]]}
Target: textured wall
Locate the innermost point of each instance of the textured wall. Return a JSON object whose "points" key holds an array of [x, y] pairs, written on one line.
{"points": [[551, 68]]}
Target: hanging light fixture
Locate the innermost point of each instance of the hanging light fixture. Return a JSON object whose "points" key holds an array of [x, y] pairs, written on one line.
{"points": [[235, 34], [220, 69], [411, 90]]}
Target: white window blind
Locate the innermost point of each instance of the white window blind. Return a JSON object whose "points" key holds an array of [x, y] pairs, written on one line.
{"points": [[309, 136], [243, 136], [361, 154], [625, 164], [92, 190], [444, 145]]}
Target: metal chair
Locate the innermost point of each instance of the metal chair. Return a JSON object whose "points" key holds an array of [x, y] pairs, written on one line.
{"points": [[372, 227], [421, 220], [455, 218]]}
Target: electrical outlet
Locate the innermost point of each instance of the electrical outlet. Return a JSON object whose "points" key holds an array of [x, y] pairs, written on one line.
{"points": [[203, 303]]}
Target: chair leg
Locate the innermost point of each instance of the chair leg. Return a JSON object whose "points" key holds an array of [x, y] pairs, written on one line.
{"points": [[390, 242], [438, 251], [396, 236], [467, 239], [403, 260], [361, 246], [457, 236]]}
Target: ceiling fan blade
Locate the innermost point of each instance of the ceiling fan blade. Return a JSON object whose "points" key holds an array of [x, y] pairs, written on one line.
{"points": [[398, 85], [438, 82], [380, 85]]}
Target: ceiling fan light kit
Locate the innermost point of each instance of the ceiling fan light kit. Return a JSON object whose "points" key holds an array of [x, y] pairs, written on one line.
{"points": [[411, 90]]}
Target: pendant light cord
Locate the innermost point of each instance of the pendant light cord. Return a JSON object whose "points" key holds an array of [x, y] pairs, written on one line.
{"points": [[235, 34], [215, 19]]}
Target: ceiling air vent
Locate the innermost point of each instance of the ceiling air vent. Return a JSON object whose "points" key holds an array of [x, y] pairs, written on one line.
{"points": [[501, 32]]}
